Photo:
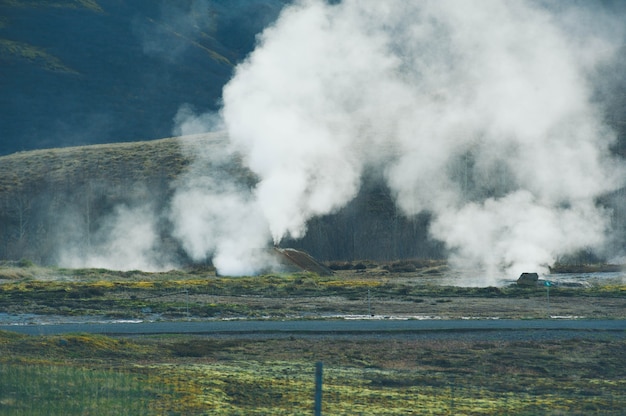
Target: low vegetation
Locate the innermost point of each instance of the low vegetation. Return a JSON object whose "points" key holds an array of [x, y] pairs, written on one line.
{"points": [[395, 374], [43, 389], [200, 294], [193, 375]]}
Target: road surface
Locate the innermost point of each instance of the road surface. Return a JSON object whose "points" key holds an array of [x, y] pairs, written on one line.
{"points": [[328, 327]]}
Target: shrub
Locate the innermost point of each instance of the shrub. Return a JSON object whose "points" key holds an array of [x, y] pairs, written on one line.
{"points": [[25, 263], [401, 267], [360, 266], [340, 266]]}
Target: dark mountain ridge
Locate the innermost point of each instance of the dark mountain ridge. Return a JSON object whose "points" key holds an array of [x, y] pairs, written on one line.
{"points": [[85, 72]]}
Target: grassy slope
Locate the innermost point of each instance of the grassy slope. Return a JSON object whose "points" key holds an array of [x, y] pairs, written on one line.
{"points": [[68, 4], [32, 54], [75, 177], [136, 161], [132, 162]]}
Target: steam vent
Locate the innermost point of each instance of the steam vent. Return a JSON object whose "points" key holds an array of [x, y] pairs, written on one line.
{"points": [[528, 279], [296, 261]]}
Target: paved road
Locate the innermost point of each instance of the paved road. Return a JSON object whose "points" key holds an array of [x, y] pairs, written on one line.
{"points": [[354, 327]]}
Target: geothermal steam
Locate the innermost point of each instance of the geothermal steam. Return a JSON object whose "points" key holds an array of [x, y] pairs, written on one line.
{"points": [[480, 113]]}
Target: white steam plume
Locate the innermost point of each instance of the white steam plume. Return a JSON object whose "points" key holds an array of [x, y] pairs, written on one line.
{"points": [[217, 220], [478, 112], [125, 241], [214, 214]]}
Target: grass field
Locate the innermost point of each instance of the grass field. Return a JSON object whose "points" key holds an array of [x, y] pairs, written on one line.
{"points": [[395, 374], [44, 389], [80, 374]]}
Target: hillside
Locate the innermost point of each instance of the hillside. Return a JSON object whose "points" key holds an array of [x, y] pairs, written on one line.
{"points": [[77, 72], [54, 198], [51, 199], [125, 162], [41, 188]]}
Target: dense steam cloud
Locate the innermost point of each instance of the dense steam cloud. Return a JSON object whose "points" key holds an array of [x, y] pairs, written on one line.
{"points": [[125, 240], [480, 113], [214, 215], [484, 114]]}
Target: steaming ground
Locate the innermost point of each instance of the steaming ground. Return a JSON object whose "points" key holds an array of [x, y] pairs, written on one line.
{"points": [[482, 114]]}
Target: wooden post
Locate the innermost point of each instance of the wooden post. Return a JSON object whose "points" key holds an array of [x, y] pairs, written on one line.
{"points": [[318, 388]]}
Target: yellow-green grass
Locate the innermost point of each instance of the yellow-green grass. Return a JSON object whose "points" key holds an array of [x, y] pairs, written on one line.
{"points": [[286, 388], [200, 293], [193, 375], [69, 390], [115, 164]]}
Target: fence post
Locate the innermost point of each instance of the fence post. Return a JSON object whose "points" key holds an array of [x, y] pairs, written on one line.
{"points": [[318, 388], [452, 397]]}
